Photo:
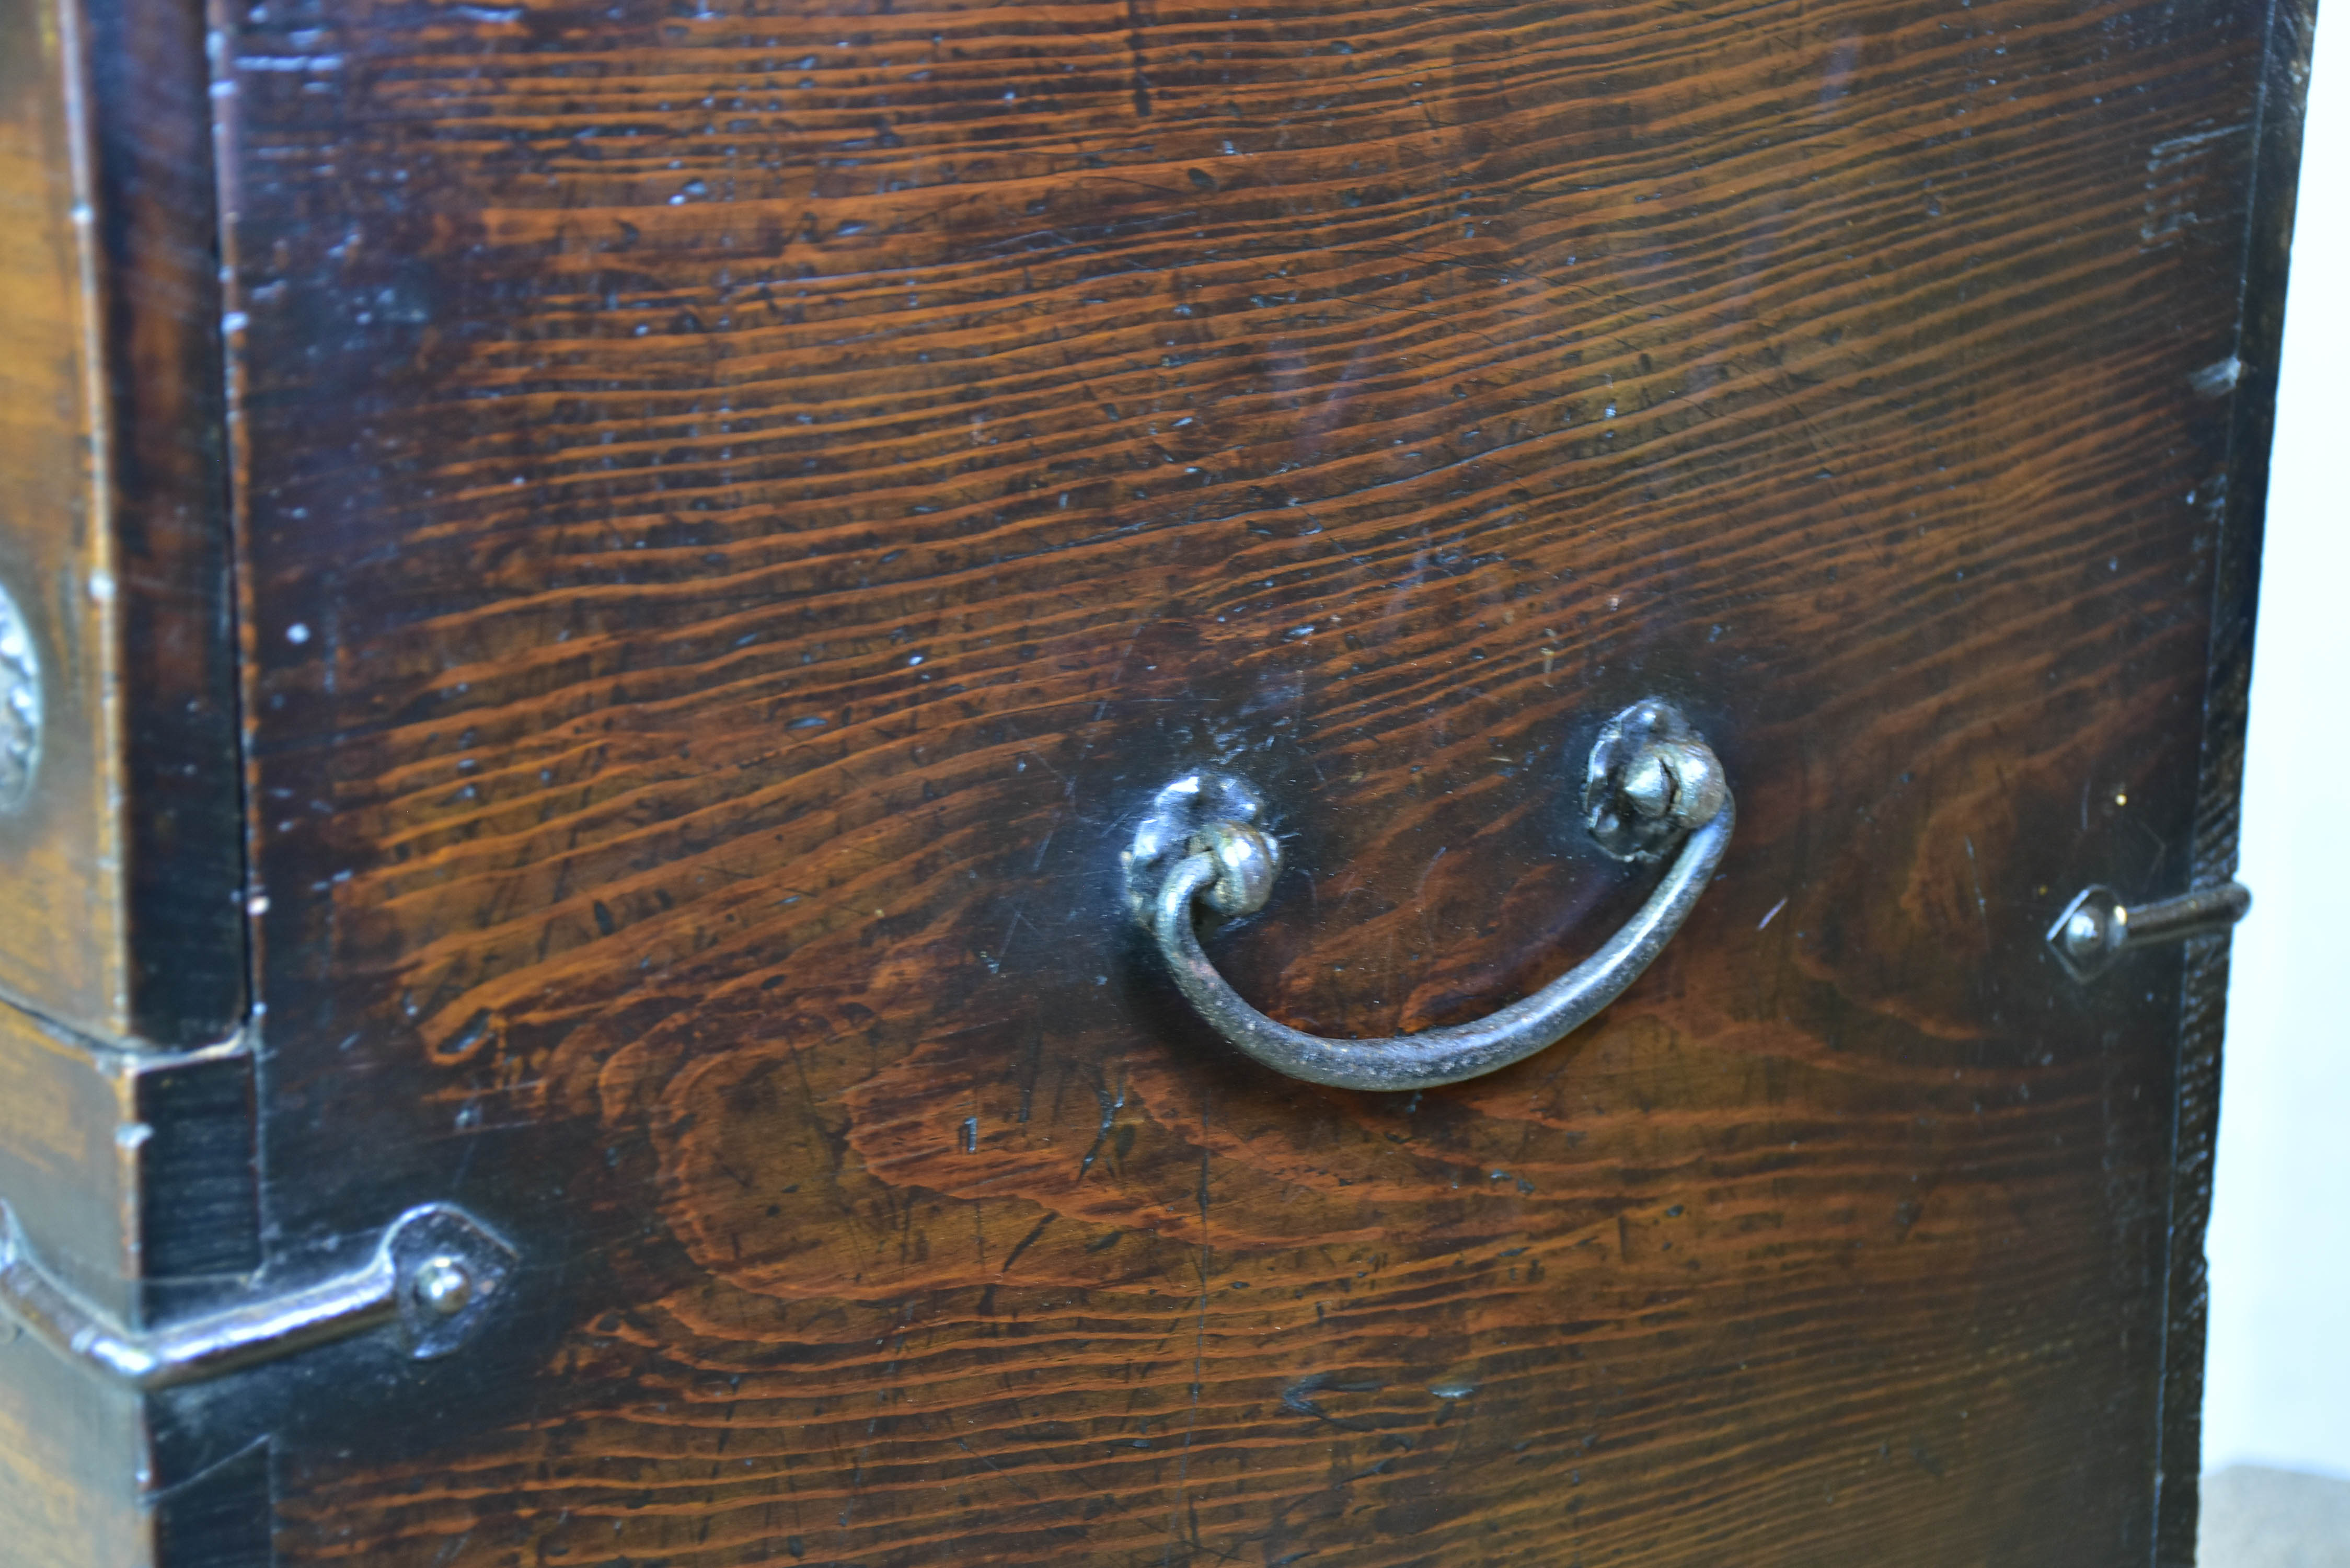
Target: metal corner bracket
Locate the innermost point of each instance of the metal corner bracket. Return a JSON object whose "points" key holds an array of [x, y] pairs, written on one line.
{"points": [[436, 1271]]}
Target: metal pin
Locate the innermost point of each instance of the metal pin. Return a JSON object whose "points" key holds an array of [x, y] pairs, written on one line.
{"points": [[2096, 927]]}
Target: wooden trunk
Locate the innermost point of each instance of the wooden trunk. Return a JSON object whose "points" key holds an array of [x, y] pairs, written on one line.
{"points": [[606, 584]]}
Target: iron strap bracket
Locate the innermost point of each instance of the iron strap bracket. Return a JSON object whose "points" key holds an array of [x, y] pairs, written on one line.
{"points": [[436, 1271]]}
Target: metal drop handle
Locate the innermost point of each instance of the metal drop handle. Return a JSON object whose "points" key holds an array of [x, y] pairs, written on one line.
{"points": [[1653, 786]]}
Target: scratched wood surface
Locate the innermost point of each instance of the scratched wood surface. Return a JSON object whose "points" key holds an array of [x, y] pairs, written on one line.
{"points": [[743, 501]]}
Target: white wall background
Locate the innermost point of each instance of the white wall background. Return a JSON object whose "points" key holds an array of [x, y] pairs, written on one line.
{"points": [[2277, 1386]]}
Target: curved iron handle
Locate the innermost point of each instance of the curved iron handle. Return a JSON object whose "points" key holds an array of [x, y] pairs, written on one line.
{"points": [[1652, 780]]}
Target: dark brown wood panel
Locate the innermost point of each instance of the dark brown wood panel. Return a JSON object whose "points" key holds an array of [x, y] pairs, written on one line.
{"points": [[155, 240], [2236, 577], [745, 501], [125, 853], [60, 943]]}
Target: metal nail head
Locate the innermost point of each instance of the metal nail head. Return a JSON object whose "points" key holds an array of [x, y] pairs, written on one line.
{"points": [[443, 1286]]}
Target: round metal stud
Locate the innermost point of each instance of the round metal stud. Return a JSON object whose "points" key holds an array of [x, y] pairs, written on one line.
{"points": [[2084, 934], [443, 1286]]}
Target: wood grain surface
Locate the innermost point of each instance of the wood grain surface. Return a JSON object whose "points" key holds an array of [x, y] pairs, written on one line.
{"points": [[61, 938], [126, 856], [743, 501]]}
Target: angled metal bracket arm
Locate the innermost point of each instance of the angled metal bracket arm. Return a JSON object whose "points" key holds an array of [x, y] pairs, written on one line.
{"points": [[436, 1271]]}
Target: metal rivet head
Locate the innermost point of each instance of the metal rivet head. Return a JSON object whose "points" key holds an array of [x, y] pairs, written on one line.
{"points": [[2089, 934], [443, 1286], [2083, 933]]}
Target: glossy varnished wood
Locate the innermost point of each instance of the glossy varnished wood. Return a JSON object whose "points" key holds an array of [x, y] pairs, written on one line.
{"points": [[60, 943], [743, 504], [125, 861]]}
